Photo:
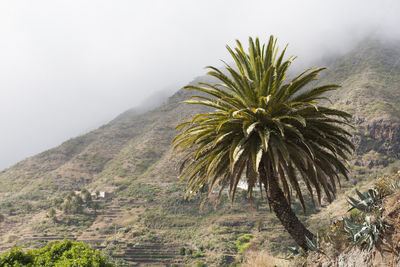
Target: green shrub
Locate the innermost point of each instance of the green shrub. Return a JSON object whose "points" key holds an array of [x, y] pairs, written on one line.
{"points": [[16, 257], [65, 253], [243, 242], [200, 264], [198, 254], [182, 251]]}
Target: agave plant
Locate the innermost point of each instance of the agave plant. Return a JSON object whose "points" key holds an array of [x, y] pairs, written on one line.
{"points": [[369, 201], [314, 244], [395, 185], [368, 232]]}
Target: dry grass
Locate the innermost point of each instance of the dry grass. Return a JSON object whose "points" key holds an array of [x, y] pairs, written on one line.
{"points": [[263, 259]]}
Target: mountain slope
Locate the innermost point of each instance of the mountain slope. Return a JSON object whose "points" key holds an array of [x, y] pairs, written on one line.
{"points": [[131, 157], [370, 77]]}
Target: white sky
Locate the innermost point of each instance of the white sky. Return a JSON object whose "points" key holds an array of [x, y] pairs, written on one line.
{"points": [[68, 66]]}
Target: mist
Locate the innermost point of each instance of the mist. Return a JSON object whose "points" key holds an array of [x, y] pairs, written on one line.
{"points": [[67, 67]]}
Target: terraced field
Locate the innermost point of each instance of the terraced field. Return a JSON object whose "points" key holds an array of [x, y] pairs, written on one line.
{"points": [[143, 254]]}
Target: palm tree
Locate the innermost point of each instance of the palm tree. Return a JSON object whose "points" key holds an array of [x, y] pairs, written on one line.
{"points": [[273, 132]]}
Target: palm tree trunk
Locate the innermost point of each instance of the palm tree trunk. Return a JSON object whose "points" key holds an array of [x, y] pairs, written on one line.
{"points": [[284, 212]]}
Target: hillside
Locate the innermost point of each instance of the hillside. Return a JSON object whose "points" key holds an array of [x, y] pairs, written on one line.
{"points": [[370, 76], [147, 219]]}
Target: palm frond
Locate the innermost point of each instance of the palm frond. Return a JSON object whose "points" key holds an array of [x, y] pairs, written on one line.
{"points": [[259, 121]]}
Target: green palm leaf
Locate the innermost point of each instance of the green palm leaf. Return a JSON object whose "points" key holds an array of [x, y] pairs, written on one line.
{"points": [[264, 129]]}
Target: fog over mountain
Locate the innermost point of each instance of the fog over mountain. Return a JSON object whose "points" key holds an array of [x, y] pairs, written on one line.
{"points": [[67, 67]]}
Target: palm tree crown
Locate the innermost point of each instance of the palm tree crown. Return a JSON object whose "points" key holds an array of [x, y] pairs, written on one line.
{"points": [[275, 132]]}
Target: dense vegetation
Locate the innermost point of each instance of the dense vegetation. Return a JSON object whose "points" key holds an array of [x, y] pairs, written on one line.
{"points": [[57, 254]]}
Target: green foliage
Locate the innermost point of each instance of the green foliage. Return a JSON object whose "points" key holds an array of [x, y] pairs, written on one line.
{"points": [[122, 185], [265, 130], [364, 226], [262, 123], [77, 203], [367, 232], [137, 190], [57, 202], [200, 264], [25, 204], [195, 254], [155, 219], [73, 205], [86, 196], [182, 251], [95, 206], [16, 257], [142, 191], [314, 244], [243, 242], [368, 202], [65, 253]]}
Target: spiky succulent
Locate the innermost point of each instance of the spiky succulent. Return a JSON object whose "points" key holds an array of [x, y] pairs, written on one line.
{"points": [[368, 202], [314, 244], [367, 233]]}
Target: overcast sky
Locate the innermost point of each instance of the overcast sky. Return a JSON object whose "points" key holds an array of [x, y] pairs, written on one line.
{"points": [[67, 67]]}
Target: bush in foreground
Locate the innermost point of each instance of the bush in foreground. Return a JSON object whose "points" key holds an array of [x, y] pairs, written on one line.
{"points": [[65, 253]]}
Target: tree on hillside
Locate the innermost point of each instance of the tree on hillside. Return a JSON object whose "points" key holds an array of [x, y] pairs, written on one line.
{"points": [[270, 131], [73, 204], [95, 206], [86, 196]]}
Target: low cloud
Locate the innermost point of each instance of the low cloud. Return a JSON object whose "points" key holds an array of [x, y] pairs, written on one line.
{"points": [[68, 66]]}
